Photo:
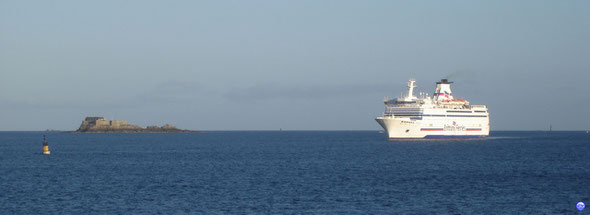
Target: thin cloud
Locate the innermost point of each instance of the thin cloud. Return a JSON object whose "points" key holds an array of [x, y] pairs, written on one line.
{"points": [[171, 92], [165, 92], [274, 91]]}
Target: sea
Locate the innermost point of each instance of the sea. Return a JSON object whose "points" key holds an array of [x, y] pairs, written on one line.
{"points": [[293, 172]]}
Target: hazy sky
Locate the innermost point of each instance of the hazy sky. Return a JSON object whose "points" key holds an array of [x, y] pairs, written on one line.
{"points": [[248, 65]]}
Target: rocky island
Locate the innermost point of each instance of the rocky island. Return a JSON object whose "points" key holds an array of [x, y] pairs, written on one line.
{"points": [[101, 125]]}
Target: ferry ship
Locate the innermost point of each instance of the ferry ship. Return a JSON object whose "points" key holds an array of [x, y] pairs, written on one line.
{"points": [[436, 117]]}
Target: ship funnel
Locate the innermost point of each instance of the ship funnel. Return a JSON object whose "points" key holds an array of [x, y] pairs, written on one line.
{"points": [[443, 91]]}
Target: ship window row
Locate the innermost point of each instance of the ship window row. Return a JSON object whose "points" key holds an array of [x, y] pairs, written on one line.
{"points": [[434, 115], [397, 109], [467, 116], [408, 114]]}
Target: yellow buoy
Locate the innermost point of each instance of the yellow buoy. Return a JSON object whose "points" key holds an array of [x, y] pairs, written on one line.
{"points": [[45, 146]]}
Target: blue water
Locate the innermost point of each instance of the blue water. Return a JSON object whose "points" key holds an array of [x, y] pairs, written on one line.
{"points": [[293, 172]]}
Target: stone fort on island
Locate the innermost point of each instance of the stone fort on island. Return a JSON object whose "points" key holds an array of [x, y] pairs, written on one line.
{"points": [[102, 125]]}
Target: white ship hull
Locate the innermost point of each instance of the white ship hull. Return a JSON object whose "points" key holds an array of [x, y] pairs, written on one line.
{"points": [[404, 128]]}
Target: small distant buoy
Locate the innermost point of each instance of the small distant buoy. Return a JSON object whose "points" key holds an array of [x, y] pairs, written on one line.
{"points": [[45, 146]]}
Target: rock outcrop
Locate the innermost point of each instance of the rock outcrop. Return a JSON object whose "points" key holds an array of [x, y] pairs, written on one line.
{"points": [[101, 125]]}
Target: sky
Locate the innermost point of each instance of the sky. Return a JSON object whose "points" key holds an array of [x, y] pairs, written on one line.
{"points": [[291, 65]]}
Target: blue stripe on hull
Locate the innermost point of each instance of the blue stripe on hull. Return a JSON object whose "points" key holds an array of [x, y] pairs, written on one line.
{"points": [[441, 137], [452, 136]]}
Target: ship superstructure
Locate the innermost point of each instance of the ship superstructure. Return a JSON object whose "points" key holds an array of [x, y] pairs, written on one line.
{"points": [[439, 116]]}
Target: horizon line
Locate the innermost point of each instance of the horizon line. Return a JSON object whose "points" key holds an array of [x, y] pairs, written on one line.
{"points": [[279, 130]]}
